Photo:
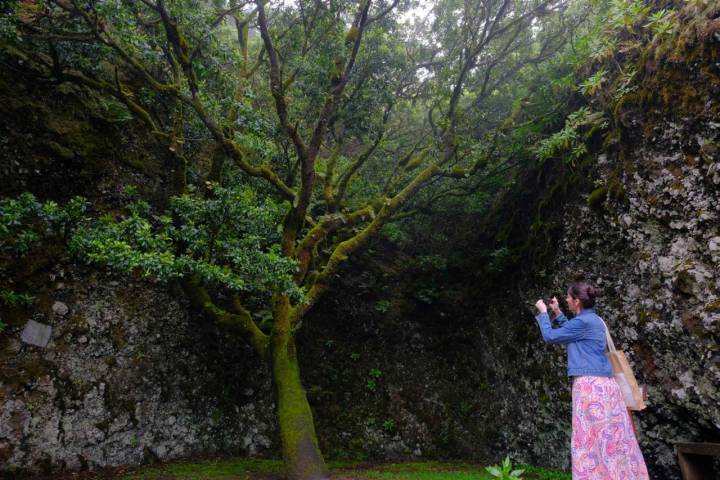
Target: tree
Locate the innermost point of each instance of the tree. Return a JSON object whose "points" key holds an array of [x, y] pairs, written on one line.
{"points": [[292, 151]]}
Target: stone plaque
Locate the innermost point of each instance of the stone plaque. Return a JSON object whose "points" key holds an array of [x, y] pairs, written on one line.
{"points": [[36, 333]]}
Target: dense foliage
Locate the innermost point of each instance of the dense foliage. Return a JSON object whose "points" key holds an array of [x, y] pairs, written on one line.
{"points": [[230, 239], [25, 223]]}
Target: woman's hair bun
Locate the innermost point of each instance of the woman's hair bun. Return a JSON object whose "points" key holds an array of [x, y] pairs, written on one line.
{"points": [[585, 292], [595, 291]]}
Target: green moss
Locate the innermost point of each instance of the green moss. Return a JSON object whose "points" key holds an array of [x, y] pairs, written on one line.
{"points": [[354, 453], [103, 425], [596, 199], [134, 162], [60, 150], [636, 98], [616, 189], [294, 416], [713, 306], [119, 337], [247, 469], [35, 368], [233, 468], [612, 138], [216, 416], [644, 317]]}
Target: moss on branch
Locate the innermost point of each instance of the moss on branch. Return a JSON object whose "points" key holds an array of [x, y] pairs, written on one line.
{"points": [[241, 321]]}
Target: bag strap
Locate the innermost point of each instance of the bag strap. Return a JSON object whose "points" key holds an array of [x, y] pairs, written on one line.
{"points": [[610, 343]]}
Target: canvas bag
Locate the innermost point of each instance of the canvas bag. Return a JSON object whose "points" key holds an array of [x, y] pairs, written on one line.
{"points": [[631, 392]]}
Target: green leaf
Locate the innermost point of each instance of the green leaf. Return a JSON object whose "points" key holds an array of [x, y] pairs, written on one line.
{"points": [[494, 471]]}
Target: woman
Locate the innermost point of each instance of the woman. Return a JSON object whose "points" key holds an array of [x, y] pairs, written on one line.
{"points": [[604, 445]]}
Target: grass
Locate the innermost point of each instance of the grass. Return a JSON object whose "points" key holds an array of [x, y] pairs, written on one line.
{"points": [[419, 471], [258, 469], [225, 469]]}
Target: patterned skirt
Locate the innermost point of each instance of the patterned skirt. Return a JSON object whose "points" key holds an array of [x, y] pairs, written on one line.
{"points": [[604, 446]]}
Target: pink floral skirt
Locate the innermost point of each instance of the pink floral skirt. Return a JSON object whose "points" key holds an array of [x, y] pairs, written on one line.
{"points": [[604, 446]]}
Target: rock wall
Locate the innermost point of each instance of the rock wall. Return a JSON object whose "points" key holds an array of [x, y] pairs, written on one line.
{"points": [[656, 252], [657, 260], [131, 374], [128, 377]]}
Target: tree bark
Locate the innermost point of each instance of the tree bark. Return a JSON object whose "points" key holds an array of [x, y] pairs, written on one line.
{"points": [[301, 452]]}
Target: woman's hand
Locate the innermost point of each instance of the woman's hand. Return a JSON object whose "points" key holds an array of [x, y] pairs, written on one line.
{"points": [[540, 305], [555, 306]]}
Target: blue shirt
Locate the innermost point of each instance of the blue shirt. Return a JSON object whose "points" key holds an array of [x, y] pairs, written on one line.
{"points": [[584, 336]]}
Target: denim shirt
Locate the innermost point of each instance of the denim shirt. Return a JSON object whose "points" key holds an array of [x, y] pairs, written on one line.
{"points": [[584, 336]]}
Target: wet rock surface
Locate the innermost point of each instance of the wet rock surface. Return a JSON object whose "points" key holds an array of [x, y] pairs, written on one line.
{"points": [[128, 377], [654, 252]]}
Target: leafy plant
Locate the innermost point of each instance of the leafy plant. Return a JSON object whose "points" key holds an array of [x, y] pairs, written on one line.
{"points": [[625, 85], [427, 295], [374, 375], [394, 233], [389, 425], [229, 239], [130, 190], [593, 84], [569, 139], [504, 471], [661, 22], [25, 221], [624, 14], [11, 298], [603, 48], [500, 259], [433, 261], [382, 306]]}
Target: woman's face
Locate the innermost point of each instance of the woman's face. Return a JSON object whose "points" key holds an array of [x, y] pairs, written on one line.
{"points": [[574, 304]]}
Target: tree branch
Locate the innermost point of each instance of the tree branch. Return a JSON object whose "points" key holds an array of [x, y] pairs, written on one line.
{"points": [[351, 245], [241, 321]]}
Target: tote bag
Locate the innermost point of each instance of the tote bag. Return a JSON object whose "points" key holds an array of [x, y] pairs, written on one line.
{"points": [[631, 392]]}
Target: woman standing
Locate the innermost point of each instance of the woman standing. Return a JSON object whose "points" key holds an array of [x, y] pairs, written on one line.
{"points": [[604, 446]]}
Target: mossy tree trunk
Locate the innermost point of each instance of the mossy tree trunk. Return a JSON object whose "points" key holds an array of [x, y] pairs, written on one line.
{"points": [[300, 448]]}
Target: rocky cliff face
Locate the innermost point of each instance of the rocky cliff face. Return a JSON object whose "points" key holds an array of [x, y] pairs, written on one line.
{"points": [[656, 252], [649, 234], [128, 377], [130, 374]]}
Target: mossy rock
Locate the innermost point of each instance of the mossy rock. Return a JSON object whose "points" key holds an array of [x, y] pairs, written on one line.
{"points": [[616, 189], [685, 283], [596, 199]]}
